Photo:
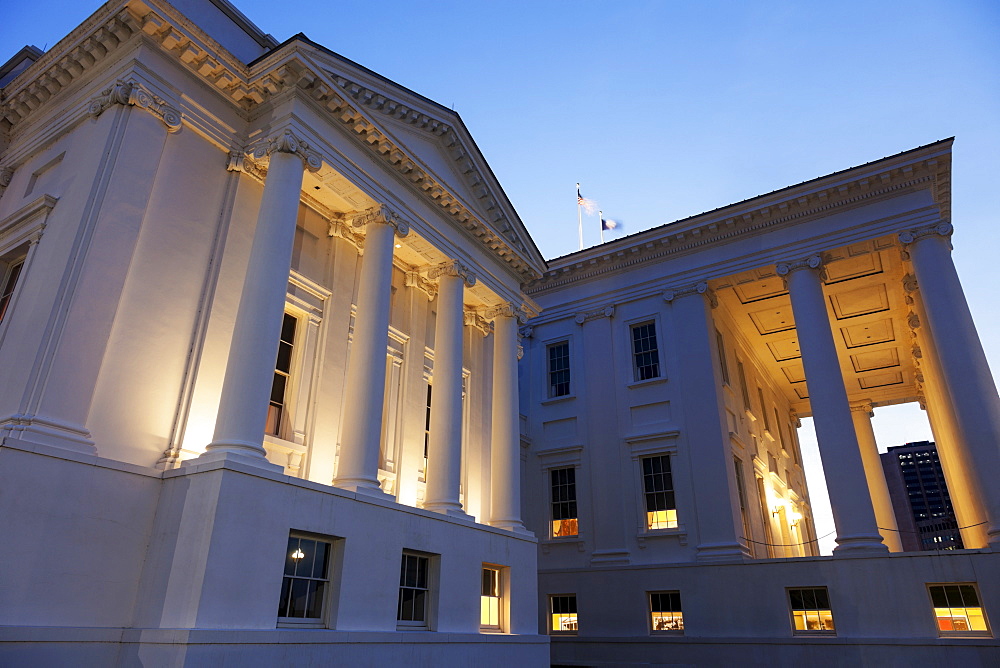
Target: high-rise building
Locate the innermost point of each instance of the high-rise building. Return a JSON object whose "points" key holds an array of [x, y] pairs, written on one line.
{"points": [[920, 499]]}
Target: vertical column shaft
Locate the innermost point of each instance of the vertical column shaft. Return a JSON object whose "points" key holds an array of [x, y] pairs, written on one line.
{"points": [[444, 446], [239, 429], [357, 468], [877, 488], [964, 370], [505, 446], [853, 513]]}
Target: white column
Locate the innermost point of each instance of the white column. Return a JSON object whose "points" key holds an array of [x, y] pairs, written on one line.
{"points": [[444, 446], [239, 428], [862, 413], [853, 513], [717, 513], [964, 369], [505, 446], [357, 469]]}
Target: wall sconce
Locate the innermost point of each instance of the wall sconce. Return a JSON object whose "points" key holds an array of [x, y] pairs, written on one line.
{"points": [[777, 511], [796, 518]]}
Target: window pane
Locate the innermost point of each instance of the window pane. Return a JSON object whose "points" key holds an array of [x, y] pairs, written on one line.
{"points": [[286, 590], [300, 590]]}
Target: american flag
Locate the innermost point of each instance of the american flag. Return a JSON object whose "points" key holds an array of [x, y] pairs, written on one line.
{"points": [[588, 205]]}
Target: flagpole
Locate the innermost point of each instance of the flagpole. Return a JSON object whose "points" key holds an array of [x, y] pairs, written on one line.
{"points": [[600, 214], [579, 215]]}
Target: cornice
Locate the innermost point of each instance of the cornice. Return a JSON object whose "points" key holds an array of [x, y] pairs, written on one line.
{"points": [[752, 217]]}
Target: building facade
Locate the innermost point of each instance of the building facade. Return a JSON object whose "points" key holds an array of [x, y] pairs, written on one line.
{"points": [[663, 383], [261, 312], [259, 359], [920, 498]]}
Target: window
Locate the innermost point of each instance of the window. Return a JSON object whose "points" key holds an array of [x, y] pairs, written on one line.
{"points": [[307, 576], [645, 358], [563, 609], [490, 598], [8, 281], [811, 611], [413, 591], [658, 489], [665, 611], [427, 424], [741, 493], [280, 386], [720, 344], [743, 386], [763, 409], [564, 518], [559, 369], [958, 610]]}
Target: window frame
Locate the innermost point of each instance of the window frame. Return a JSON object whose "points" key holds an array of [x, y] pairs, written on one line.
{"points": [[633, 354], [571, 602], [677, 631], [554, 502], [290, 375], [958, 633], [792, 610], [429, 561], [325, 598], [568, 370], [501, 597], [672, 491], [720, 344]]}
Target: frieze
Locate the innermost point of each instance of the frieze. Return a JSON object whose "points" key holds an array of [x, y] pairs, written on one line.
{"points": [[135, 94]]}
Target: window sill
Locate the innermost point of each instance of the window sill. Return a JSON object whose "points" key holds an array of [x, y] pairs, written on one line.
{"points": [[556, 400], [291, 624], [814, 634], [668, 634], [648, 381]]}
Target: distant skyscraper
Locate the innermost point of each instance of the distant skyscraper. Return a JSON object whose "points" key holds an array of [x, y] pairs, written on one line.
{"points": [[924, 513]]}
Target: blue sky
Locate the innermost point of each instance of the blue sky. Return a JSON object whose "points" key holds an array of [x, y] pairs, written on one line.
{"points": [[664, 109]]}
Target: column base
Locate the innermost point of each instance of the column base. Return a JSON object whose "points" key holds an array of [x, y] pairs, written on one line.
{"points": [[234, 453], [718, 553], [860, 546], [514, 526], [449, 508], [48, 431], [363, 487]]}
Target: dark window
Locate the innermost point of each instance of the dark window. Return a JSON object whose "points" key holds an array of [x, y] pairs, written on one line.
{"points": [[8, 281], [413, 590], [282, 373], [559, 369], [303, 589], [646, 358]]}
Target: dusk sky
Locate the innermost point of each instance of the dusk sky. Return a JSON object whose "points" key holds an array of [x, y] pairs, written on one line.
{"points": [[666, 109]]}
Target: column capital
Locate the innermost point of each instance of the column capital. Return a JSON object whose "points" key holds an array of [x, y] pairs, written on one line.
{"points": [[286, 142], [452, 268], [473, 318], [381, 215], [864, 406], [6, 174], [414, 279], [700, 288], [507, 310], [942, 229], [812, 262], [133, 93], [241, 161]]}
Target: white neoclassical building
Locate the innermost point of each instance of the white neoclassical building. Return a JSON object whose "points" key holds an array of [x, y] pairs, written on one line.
{"points": [[259, 358], [261, 312], [663, 384]]}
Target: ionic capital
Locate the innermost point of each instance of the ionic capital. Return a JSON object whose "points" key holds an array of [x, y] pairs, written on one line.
{"points": [[239, 161], [287, 142], [475, 319], [811, 262], [382, 215], [863, 407], [452, 268], [6, 174], [133, 93], [414, 279], [942, 229], [700, 288], [506, 310]]}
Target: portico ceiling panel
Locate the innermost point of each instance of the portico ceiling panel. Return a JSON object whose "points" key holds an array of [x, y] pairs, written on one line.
{"points": [[794, 373], [853, 267], [784, 350], [774, 319], [765, 289], [875, 359], [880, 331], [862, 301], [880, 380]]}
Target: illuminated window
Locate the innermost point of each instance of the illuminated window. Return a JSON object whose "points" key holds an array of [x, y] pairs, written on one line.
{"points": [[958, 610], [811, 610], [307, 577], [564, 518], [559, 369], [743, 386], [413, 591], [658, 489], [281, 385], [665, 611], [645, 357], [9, 273], [763, 410], [720, 344], [490, 598], [563, 610]]}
